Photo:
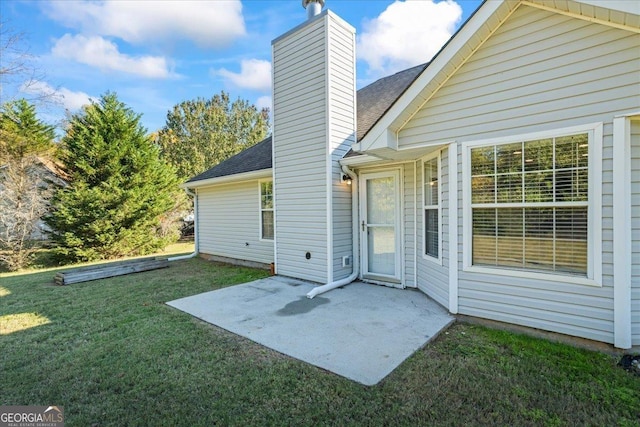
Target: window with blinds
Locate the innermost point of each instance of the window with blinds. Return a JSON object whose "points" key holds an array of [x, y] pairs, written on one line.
{"points": [[431, 197], [529, 203]]}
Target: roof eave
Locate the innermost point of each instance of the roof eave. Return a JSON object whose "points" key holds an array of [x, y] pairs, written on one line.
{"points": [[464, 43], [401, 110], [228, 179]]}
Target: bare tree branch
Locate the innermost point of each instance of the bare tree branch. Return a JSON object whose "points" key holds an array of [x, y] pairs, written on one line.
{"points": [[18, 70]]}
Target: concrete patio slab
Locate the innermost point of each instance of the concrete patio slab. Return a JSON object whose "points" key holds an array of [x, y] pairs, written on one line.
{"points": [[361, 332]]}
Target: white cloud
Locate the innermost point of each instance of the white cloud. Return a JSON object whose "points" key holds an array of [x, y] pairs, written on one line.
{"points": [[208, 23], [73, 100], [407, 33], [254, 74], [69, 99], [104, 54], [264, 102]]}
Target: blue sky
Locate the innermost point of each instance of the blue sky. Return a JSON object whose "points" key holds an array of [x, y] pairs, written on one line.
{"points": [[155, 54]]}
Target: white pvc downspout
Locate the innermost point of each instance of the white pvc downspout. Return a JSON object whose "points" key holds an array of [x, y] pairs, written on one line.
{"points": [[195, 229], [355, 239]]}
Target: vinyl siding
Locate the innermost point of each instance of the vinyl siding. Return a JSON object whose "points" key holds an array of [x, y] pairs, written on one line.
{"points": [[433, 278], [443, 283], [299, 133], [408, 209], [635, 232], [229, 222], [342, 125], [539, 71], [546, 70], [314, 123]]}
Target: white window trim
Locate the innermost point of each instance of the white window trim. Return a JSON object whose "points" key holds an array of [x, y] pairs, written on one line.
{"points": [[260, 210], [622, 240], [594, 226], [423, 208]]}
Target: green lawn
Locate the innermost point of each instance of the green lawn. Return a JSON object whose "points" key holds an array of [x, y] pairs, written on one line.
{"points": [[113, 354], [43, 259]]}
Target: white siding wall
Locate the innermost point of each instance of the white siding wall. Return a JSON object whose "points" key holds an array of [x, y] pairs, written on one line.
{"points": [[312, 64], [539, 71], [408, 207], [229, 218], [443, 283], [635, 232], [433, 278], [342, 125], [299, 152]]}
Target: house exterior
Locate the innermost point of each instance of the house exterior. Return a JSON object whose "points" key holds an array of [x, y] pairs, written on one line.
{"points": [[502, 179], [43, 173]]}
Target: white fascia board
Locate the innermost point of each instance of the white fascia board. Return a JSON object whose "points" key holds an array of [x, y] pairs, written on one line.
{"points": [[239, 177], [384, 140], [626, 6], [380, 130], [321, 15], [394, 154], [362, 159], [590, 14]]}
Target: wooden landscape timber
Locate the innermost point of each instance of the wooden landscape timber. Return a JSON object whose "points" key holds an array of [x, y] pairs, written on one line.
{"points": [[103, 271]]}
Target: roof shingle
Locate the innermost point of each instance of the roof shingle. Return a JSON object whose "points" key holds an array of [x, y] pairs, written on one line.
{"points": [[254, 158], [373, 101]]}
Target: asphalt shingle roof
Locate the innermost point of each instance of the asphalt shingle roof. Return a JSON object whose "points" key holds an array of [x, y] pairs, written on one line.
{"points": [[373, 101], [254, 158]]}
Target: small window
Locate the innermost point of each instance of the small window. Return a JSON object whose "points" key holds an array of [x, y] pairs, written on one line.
{"points": [[266, 210], [431, 198]]}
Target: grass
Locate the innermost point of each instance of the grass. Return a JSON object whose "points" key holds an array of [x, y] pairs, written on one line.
{"points": [[43, 259], [112, 353]]}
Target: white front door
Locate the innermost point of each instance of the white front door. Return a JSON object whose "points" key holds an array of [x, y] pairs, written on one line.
{"points": [[380, 225]]}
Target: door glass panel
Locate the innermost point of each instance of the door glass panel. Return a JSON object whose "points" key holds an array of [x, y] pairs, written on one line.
{"points": [[381, 201], [382, 254]]}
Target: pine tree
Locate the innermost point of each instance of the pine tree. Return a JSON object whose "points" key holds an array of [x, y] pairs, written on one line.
{"points": [[120, 190]]}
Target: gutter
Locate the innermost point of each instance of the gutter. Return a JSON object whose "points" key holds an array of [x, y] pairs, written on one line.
{"points": [[226, 179], [356, 259], [195, 228]]}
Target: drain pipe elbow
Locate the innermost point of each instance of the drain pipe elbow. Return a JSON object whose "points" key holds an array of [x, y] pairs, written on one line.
{"points": [[330, 286], [356, 260], [195, 229]]}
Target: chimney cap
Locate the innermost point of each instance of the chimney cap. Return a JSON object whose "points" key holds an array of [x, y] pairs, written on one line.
{"points": [[305, 3]]}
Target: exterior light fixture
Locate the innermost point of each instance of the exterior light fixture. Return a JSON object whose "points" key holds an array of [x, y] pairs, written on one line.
{"points": [[346, 179]]}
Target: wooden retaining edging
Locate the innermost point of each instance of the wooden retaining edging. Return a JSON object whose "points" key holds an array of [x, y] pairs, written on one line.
{"points": [[118, 268]]}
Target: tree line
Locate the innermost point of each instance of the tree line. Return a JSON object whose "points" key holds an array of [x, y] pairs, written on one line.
{"points": [[118, 192]]}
